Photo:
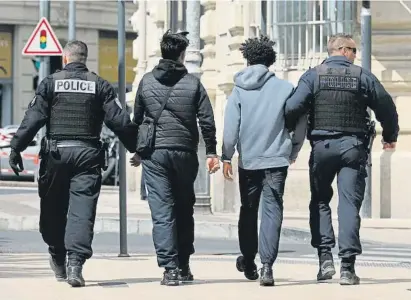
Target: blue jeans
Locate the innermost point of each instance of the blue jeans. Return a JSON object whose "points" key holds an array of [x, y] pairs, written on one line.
{"points": [[269, 182]]}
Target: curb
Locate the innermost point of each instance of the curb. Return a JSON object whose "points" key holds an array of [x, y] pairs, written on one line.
{"points": [[211, 230], [30, 184]]}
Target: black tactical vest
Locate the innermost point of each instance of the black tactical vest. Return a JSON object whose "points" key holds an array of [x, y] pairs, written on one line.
{"points": [[75, 112], [338, 102]]}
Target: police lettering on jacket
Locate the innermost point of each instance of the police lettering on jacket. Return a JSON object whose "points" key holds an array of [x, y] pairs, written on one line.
{"points": [[338, 82], [74, 86]]}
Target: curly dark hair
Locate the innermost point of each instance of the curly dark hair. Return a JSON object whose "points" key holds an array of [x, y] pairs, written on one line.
{"points": [[173, 44], [259, 51]]}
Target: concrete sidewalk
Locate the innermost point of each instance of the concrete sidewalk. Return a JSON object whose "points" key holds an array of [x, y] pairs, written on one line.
{"points": [[109, 277], [20, 211]]}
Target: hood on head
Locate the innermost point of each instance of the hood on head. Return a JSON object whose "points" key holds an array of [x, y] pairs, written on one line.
{"points": [[252, 77], [168, 71]]}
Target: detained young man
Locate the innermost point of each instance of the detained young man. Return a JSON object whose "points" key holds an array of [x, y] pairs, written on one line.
{"points": [[254, 124]]}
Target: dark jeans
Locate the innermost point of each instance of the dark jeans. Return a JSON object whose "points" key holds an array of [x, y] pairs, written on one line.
{"points": [[270, 183], [345, 157], [170, 177], [69, 187]]}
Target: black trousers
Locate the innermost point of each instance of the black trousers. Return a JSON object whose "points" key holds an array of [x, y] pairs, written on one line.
{"points": [[269, 182], [69, 187], [170, 177], [345, 157]]}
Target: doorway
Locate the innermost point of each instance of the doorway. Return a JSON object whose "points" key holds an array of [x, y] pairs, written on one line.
{"points": [[6, 107]]}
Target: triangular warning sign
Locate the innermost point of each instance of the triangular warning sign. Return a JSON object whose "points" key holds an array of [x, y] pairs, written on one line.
{"points": [[43, 41]]}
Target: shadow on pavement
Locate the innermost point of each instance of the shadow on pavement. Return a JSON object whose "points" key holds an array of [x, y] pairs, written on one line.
{"points": [[120, 282]]}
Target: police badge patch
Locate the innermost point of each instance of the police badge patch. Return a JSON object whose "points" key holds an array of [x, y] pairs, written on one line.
{"points": [[31, 104]]}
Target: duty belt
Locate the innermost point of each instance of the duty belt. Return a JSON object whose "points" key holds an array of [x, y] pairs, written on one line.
{"points": [[77, 143]]}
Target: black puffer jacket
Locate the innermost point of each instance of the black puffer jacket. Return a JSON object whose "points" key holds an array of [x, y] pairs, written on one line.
{"points": [[177, 126]]}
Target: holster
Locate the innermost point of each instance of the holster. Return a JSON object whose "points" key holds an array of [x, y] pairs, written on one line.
{"points": [[43, 179], [47, 147], [44, 148], [105, 156], [370, 136]]}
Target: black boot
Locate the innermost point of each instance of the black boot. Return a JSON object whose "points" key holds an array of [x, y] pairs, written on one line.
{"points": [[59, 268], [347, 274], [248, 267], [74, 273], [185, 274], [266, 278], [170, 277], [327, 269]]}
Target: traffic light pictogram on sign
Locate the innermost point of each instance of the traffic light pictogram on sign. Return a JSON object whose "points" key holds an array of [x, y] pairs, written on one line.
{"points": [[43, 39]]}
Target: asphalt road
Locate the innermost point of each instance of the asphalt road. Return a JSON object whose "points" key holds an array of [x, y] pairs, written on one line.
{"points": [[31, 242], [17, 190], [108, 243]]}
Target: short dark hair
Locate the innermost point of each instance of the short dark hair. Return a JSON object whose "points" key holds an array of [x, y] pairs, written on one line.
{"points": [[76, 51], [173, 44], [337, 41], [259, 51]]}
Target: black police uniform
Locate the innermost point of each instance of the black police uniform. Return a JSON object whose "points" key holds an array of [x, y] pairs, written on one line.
{"points": [[73, 104], [336, 95]]}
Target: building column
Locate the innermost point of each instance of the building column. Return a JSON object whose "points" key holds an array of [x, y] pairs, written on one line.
{"points": [[138, 20], [208, 33], [193, 63], [142, 37], [193, 57], [229, 36]]}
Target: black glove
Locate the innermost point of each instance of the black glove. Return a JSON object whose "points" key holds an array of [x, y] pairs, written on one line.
{"points": [[16, 162]]}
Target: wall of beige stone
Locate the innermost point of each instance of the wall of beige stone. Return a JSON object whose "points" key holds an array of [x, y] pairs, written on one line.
{"points": [[223, 29]]}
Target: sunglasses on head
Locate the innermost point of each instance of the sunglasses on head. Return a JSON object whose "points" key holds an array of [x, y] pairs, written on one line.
{"points": [[354, 50]]}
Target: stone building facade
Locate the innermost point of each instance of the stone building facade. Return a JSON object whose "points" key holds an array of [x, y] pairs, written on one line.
{"points": [[301, 30], [96, 24]]}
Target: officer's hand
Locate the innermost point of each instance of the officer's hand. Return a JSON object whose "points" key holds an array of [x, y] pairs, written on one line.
{"points": [[228, 171], [135, 161], [213, 164], [292, 161], [16, 162]]}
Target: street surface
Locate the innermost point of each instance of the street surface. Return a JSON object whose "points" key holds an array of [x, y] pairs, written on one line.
{"points": [[384, 267], [137, 277], [108, 243]]}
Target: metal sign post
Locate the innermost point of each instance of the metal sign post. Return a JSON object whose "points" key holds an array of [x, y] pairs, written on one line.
{"points": [[44, 43], [366, 209], [72, 20], [44, 60], [122, 150]]}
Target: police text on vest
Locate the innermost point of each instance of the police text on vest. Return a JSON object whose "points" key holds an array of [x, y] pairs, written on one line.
{"points": [[74, 86]]}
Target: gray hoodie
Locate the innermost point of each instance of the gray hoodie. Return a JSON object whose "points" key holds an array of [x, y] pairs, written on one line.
{"points": [[254, 121]]}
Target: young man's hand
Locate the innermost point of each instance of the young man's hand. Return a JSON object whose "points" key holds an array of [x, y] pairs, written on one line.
{"points": [[135, 161], [213, 164], [389, 146], [228, 171]]}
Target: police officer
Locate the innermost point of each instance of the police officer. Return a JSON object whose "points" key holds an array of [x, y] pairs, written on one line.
{"points": [[336, 95], [73, 104]]}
